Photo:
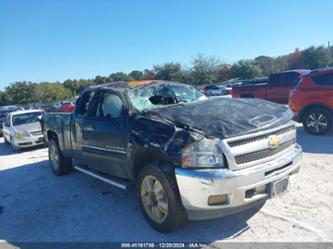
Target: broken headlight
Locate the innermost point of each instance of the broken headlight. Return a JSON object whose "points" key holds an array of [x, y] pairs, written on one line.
{"points": [[203, 154]]}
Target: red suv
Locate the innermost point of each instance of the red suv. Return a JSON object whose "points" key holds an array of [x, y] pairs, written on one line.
{"points": [[312, 101]]}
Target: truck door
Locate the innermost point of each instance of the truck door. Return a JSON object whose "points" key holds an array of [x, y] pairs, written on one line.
{"points": [[104, 133], [78, 120]]}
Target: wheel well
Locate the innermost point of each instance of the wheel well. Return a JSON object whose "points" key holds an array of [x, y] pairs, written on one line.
{"points": [[314, 106], [144, 157], [51, 135]]}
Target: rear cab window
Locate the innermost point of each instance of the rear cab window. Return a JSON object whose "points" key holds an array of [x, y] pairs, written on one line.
{"points": [[83, 102], [107, 105], [276, 79]]}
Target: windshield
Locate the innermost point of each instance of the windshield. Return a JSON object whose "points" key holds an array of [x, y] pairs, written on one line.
{"points": [[158, 95], [26, 118]]}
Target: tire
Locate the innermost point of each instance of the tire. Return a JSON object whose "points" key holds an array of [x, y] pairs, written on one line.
{"points": [[14, 147], [317, 121], [174, 215], [60, 164]]}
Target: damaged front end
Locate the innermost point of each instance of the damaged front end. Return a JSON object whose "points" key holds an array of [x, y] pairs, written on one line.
{"points": [[230, 154]]}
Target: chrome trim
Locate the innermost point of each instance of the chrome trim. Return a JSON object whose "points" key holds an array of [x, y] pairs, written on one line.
{"points": [[104, 179], [197, 185], [104, 149], [254, 146]]}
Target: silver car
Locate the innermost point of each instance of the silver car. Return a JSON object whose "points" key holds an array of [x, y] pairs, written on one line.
{"points": [[22, 129]]}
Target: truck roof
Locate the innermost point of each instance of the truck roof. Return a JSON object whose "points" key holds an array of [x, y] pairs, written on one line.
{"points": [[123, 85]]}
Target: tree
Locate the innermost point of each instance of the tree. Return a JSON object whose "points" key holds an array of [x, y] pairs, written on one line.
{"points": [[245, 69], [21, 93], [205, 70], [136, 74], [99, 80], [50, 92], [317, 57], [296, 60], [169, 71], [120, 76], [76, 86], [225, 73], [266, 64], [148, 74]]}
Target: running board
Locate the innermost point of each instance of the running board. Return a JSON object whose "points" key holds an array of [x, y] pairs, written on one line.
{"points": [[119, 183]]}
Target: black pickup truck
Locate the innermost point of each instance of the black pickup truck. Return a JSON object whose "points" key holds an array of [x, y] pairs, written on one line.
{"points": [[188, 156]]}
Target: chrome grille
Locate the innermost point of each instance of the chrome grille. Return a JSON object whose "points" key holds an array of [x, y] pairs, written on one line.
{"points": [[261, 154], [254, 139], [247, 150]]}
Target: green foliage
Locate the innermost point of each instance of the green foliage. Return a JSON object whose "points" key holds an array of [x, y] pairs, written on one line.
{"points": [[50, 92], [20, 93], [246, 69], [169, 71], [120, 76], [76, 86], [317, 57], [205, 70], [267, 64], [136, 74]]}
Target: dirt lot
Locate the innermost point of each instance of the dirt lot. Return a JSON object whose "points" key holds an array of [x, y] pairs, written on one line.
{"points": [[38, 206]]}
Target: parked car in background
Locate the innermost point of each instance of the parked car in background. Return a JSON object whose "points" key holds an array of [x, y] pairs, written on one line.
{"points": [[276, 89], [22, 129], [52, 108], [214, 90], [312, 101], [189, 156], [66, 106], [4, 111]]}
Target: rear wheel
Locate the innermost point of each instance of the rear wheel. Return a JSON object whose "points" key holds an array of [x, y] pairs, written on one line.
{"points": [[60, 164], [159, 198], [317, 121]]}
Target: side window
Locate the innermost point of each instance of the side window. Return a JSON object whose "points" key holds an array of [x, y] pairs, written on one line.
{"points": [[324, 79], [109, 106], [84, 102]]}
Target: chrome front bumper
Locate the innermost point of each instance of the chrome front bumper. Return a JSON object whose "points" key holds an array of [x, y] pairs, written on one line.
{"points": [[31, 141], [196, 186]]}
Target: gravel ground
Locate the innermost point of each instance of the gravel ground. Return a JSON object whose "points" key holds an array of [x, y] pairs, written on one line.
{"points": [[37, 206]]}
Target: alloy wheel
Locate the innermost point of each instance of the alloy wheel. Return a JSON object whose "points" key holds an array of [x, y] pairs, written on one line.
{"points": [[54, 156], [154, 198], [317, 122]]}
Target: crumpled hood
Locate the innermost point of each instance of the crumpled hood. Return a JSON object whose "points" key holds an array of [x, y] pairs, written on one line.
{"points": [[224, 117]]}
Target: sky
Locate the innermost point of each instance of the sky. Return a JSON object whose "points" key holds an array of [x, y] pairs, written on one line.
{"points": [[48, 40]]}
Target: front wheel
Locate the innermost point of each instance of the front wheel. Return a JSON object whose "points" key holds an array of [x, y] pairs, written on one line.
{"points": [[317, 121], [14, 147], [60, 164], [159, 198]]}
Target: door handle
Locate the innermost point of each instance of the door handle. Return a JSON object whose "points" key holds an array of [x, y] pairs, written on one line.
{"points": [[88, 129]]}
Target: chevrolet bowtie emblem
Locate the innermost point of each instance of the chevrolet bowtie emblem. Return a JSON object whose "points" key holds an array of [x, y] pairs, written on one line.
{"points": [[273, 141]]}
